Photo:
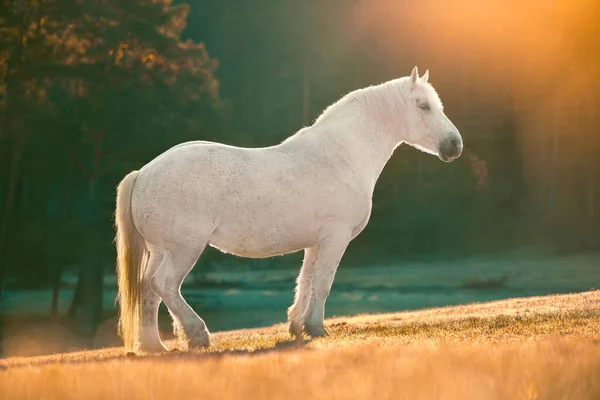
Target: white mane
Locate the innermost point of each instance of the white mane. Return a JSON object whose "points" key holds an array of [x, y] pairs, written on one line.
{"points": [[384, 102]]}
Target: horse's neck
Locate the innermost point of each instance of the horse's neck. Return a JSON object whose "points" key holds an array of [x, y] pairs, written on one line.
{"points": [[367, 141]]}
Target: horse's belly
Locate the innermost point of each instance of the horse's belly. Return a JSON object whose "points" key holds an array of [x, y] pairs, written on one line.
{"points": [[255, 250], [267, 243], [261, 241]]}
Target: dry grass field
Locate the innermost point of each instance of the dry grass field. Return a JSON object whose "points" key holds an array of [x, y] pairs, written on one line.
{"points": [[528, 348]]}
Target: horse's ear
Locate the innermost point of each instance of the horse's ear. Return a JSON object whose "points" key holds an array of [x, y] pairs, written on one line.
{"points": [[414, 76], [425, 76]]}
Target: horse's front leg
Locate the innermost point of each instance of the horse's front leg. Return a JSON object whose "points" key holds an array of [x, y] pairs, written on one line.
{"points": [[329, 253], [302, 296]]}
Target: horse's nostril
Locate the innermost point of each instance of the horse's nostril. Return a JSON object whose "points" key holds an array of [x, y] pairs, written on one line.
{"points": [[455, 142]]}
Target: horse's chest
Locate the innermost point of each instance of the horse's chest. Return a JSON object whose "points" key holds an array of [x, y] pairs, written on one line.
{"points": [[350, 211], [360, 225], [362, 217]]}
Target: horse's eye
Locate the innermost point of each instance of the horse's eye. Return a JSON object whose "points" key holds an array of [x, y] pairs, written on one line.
{"points": [[424, 106]]}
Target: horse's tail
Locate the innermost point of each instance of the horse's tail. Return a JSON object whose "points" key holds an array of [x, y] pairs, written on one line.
{"points": [[131, 251]]}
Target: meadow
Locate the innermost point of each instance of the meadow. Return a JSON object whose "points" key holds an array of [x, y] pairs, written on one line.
{"points": [[545, 347]]}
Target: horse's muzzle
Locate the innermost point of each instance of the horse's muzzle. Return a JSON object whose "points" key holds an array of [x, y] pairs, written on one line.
{"points": [[450, 149]]}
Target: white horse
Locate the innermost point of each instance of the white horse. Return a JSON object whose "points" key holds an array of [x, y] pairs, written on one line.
{"points": [[312, 192]]}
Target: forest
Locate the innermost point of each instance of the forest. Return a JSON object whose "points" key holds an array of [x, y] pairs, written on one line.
{"points": [[90, 90]]}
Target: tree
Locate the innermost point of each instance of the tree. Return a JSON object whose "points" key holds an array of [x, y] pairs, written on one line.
{"points": [[116, 86]]}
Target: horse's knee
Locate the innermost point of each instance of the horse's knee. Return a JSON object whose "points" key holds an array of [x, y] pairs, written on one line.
{"points": [[150, 297], [156, 284], [161, 286]]}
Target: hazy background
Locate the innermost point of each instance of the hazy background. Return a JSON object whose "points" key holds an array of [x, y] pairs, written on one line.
{"points": [[90, 90]]}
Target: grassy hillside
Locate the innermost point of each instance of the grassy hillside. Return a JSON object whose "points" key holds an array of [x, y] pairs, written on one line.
{"points": [[529, 348]]}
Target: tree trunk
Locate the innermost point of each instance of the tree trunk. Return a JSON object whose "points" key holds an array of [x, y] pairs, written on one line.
{"points": [[91, 275], [18, 139], [15, 172], [10, 197], [76, 301]]}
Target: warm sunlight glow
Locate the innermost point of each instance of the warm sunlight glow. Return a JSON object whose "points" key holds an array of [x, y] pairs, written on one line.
{"points": [[496, 40], [538, 59]]}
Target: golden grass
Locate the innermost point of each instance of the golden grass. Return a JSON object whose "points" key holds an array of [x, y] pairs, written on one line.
{"points": [[536, 348]]}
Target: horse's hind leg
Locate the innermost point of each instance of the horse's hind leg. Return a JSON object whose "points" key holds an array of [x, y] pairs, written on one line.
{"points": [[176, 264], [149, 336]]}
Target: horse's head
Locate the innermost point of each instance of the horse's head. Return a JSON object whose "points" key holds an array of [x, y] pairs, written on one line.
{"points": [[428, 128]]}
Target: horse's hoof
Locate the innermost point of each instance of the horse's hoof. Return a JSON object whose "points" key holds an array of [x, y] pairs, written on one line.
{"points": [[201, 342], [295, 330], [315, 331]]}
